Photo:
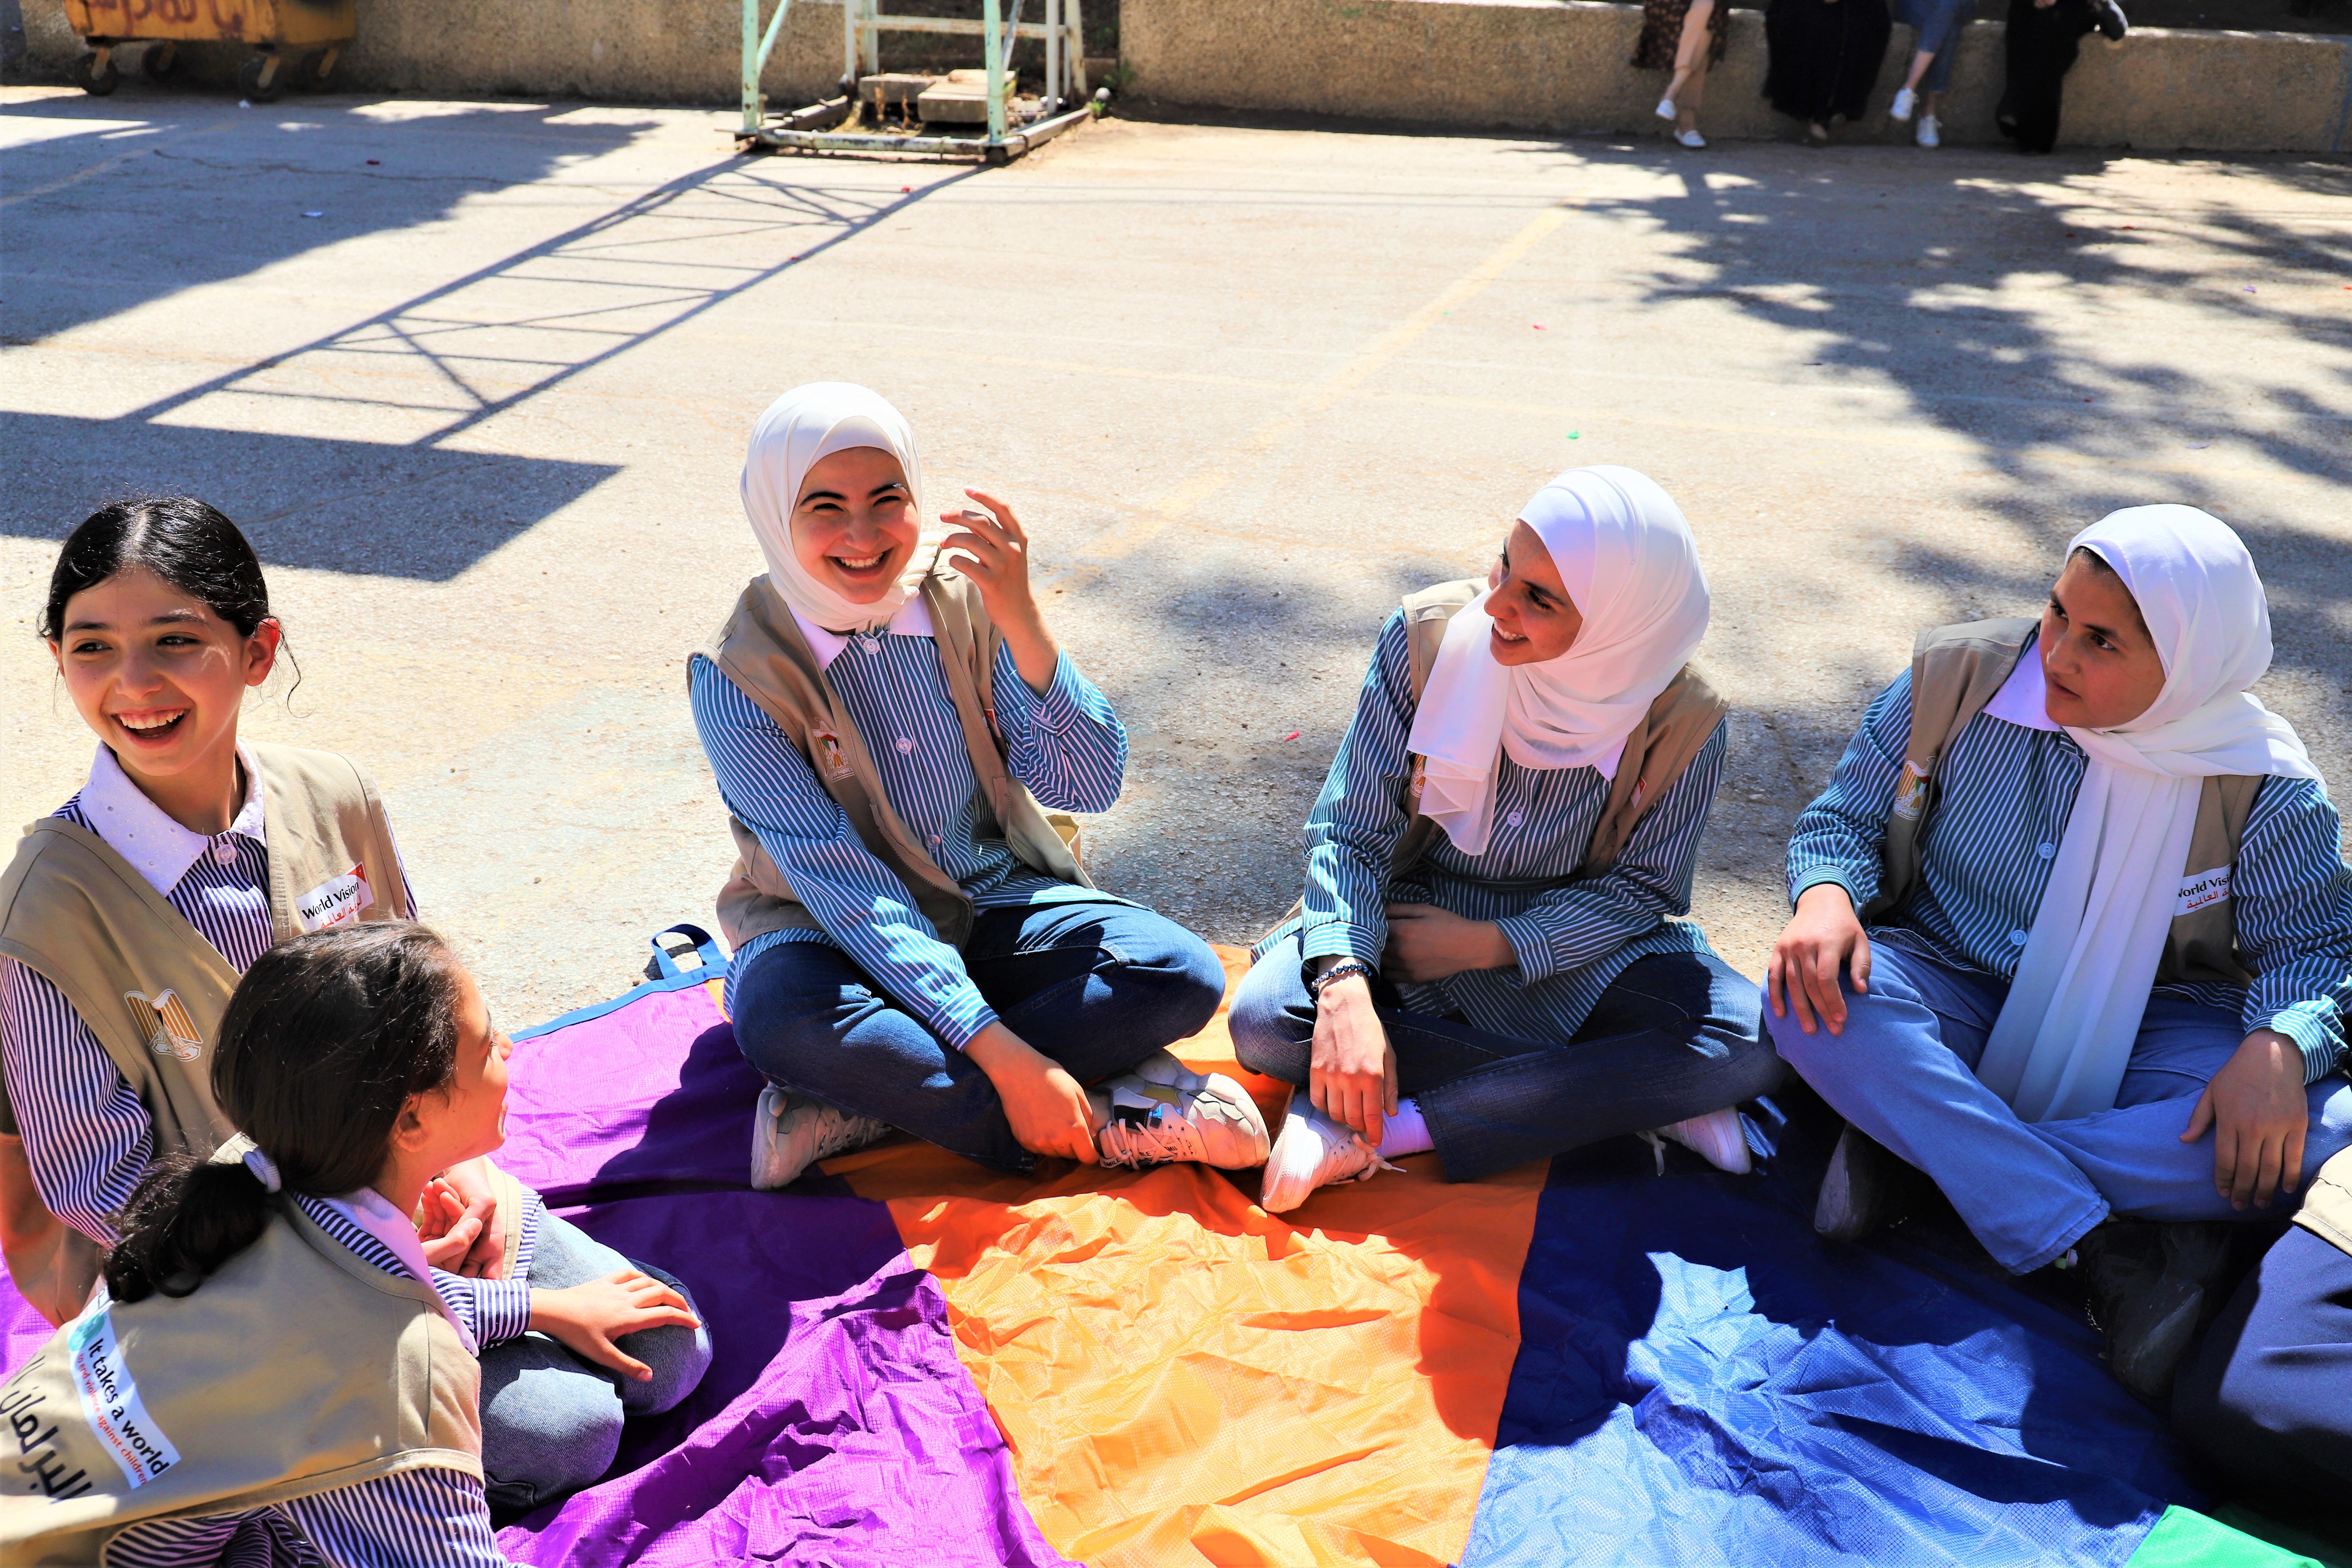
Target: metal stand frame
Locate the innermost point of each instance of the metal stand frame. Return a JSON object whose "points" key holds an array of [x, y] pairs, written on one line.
{"points": [[863, 25]]}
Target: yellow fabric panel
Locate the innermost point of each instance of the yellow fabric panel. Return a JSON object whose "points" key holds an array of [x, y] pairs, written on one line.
{"points": [[1183, 1377]]}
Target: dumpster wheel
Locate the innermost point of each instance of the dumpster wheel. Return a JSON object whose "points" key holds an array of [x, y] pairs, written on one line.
{"points": [[262, 79], [159, 63], [96, 73]]}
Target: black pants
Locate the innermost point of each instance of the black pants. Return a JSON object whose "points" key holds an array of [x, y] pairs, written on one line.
{"points": [[2269, 1399], [2043, 42]]}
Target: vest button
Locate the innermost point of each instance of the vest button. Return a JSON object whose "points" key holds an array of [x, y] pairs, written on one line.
{"points": [[2017, 938], [2045, 851], [905, 745]]}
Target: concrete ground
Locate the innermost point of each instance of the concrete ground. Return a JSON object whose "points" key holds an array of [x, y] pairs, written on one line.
{"points": [[476, 377]]}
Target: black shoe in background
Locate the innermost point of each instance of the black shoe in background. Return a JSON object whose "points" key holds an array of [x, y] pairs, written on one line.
{"points": [[1867, 1188], [2151, 1286], [2111, 19]]}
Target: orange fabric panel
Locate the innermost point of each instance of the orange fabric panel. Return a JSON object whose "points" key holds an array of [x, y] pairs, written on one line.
{"points": [[1183, 1377]]}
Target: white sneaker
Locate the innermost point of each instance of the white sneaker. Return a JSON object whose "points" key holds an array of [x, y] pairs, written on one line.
{"points": [[1314, 1151], [791, 1133], [1690, 138], [1716, 1138], [1931, 132], [1162, 1111], [1905, 100], [1665, 109]]}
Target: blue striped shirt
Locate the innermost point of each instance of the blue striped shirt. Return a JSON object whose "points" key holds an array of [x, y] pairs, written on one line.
{"points": [[1067, 746], [1572, 934], [2001, 804], [416, 1518]]}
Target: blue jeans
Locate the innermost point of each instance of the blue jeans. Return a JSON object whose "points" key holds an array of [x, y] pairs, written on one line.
{"points": [[1096, 987], [1937, 24], [1673, 1036], [2269, 1399], [1905, 1073], [551, 1419]]}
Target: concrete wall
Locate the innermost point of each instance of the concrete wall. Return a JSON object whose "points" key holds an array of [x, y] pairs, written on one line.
{"points": [[1538, 65], [1559, 66], [627, 51]]}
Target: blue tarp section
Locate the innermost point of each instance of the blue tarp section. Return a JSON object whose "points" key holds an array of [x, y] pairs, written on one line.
{"points": [[1701, 1379]]}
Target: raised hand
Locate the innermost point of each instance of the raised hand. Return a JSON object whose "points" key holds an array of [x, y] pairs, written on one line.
{"points": [[992, 549]]}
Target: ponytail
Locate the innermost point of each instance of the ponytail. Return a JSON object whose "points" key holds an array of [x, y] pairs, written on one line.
{"points": [[323, 1043], [187, 1218]]}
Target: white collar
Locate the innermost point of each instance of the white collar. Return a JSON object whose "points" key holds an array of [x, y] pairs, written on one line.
{"points": [[372, 1212], [136, 827], [2024, 698], [913, 619]]}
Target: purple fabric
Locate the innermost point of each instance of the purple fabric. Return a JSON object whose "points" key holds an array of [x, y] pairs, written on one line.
{"points": [[653, 1091], [23, 1331], [834, 1426]]}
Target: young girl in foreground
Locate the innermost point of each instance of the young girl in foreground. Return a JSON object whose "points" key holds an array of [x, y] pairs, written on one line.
{"points": [[126, 918], [272, 1372], [1490, 958], [915, 946]]}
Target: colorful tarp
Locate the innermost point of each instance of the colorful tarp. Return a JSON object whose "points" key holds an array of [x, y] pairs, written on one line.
{"points": [[921, 1363]]}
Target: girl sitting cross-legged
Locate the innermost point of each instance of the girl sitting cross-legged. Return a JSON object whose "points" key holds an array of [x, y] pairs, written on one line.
{"points": [[2073, 932], [1490, 958], [280, 1376], [915, 945]]}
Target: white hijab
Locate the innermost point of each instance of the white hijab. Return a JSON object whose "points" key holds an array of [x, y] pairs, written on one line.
{"points": [[799, 429], [1627, 558], [2064, 1035]]}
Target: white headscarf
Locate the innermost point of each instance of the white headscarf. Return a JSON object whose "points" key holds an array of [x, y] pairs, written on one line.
{"points": [[804, 426], [2065, 1033], [1627, 558]]}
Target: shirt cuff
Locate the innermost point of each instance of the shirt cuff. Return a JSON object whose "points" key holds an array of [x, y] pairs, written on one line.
{"points": [[1807, 880], [1064, 703], [527, 1245], [961, 1021], [2312, 1028], [1528, 946], [501, 1310], [1337, 939]]}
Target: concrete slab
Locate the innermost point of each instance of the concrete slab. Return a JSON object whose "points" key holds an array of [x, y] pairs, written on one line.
{"points": [[484, 416]]}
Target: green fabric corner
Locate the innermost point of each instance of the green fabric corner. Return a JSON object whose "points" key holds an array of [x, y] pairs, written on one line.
{"points": [[2186, 1539]]}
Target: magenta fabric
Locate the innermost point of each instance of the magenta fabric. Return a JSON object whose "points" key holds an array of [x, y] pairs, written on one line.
{"points": [[23, 1331]]}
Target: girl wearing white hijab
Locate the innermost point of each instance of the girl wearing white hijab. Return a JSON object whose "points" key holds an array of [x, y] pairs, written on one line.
{"points": [[2085, 984], [1491, 959], [915, 946]]}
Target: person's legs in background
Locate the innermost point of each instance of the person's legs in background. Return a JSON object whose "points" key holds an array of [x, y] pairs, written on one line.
{"points": [[551, 1419], [2269, 1397], [1935, 25], [1687, 88]]}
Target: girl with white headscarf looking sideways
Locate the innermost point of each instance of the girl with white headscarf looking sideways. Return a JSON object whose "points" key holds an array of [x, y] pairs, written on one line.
{"points": [[1491, 959], [2071, 935], [915, 945]]}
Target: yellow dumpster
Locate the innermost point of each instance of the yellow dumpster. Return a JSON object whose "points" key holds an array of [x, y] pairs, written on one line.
{"points": [[290, 38]]}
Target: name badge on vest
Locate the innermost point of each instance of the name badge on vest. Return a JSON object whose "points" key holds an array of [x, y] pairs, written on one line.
{"points": [[2201, 891], [829, 757], [1911, 791], [337, 901], [165, 1021]]}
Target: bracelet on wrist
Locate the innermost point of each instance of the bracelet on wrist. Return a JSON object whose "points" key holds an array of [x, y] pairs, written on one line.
{"points": [[1337, 971]]}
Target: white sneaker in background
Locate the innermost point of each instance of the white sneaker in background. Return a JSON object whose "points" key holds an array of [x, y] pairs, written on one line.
{"points": [[1665, 109], [1314, 1151], [1931, 132], [1162, 1111], [791, 1133], [1690, 138], [1716, 1138], [1905, 100]]}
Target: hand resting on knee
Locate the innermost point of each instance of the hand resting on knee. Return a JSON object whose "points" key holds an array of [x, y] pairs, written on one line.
{"points": [[588, 1318], [1821, 939]]}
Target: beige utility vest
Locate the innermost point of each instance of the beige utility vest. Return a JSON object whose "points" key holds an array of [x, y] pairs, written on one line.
{"points": [[149, 986], [1657, 750], [294, 1369], [2326, 1210], [761, 649], [1955, 670]]}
